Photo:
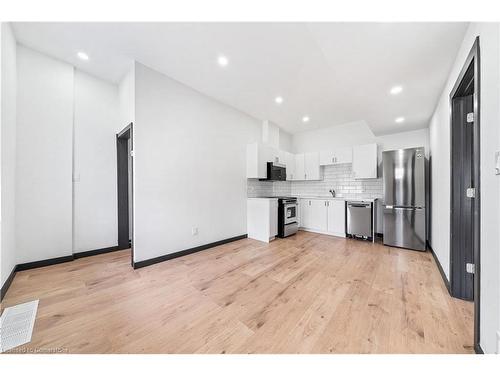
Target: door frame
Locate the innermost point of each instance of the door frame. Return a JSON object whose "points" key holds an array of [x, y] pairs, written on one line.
{"points": [[472, 58], [122, 184]]}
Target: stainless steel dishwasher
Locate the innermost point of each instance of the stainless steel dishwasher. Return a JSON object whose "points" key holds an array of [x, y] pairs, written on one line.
{"points": [[360, 219]]}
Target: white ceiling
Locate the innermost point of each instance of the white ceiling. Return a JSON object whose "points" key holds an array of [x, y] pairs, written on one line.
{"points": [[333, 72]]}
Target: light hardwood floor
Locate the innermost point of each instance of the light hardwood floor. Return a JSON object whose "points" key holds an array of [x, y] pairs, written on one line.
{"points": [[309, 293]]}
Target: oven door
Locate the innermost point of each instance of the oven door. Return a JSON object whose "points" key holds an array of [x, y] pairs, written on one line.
{"points": [[290, 212]]}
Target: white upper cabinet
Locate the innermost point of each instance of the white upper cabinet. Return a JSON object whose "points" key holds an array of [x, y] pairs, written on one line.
{"points": [[307, 167], [340, 155], [300, 167], [312, 167], [364, 161], [282, 157], [257, 157], [290, 166]]}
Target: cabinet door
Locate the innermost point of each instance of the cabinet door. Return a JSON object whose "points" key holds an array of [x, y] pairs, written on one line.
{"points": [[281, 157], [273, 154], [364, 161], [336, 217], [312, 168], [273, 218], [257, 157], [299, 167], [318, 215], [305, 213], [326, 158], [290, 166], [343, 155]]}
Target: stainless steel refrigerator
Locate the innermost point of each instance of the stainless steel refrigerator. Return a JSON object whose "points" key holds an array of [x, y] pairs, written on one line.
{"points": [[404, 198]]}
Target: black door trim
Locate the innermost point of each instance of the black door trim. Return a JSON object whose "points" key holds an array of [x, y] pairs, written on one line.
{"points": [[122, 160], [474, 58]]}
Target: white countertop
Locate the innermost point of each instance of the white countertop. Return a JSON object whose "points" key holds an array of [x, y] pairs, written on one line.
{"points": [[326, 197]]}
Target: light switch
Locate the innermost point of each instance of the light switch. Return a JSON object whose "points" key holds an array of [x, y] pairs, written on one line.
{"points": [[76, 177], [497, 162]]}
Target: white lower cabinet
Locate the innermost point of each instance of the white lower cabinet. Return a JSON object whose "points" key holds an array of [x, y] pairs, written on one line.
{"points": [[262, 219], [318, 215], [323, 215], [336, 217], [273, 218]]}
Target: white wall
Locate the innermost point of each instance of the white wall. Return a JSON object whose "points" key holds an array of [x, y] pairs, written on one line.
{"points": [[490, 183], [8, 79], [333, 136], [95, 200], [357, 133], [44, 157], [126, 93], [190, 158]]}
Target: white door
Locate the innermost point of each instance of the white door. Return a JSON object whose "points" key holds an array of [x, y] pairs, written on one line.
{"points": [[364, 161], [273, 218], [312, 167], [281, 156], [299, 167], [336, 217], [326, 158], [290, 166], [343, 155], [318, 215], [305, 212]]}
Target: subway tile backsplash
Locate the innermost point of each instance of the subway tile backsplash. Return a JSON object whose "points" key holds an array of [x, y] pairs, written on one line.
{"points": [[337, 177]]}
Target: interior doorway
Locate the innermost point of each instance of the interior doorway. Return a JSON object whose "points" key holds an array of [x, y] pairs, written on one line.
{"points": [[124, 142], [465, 186]]}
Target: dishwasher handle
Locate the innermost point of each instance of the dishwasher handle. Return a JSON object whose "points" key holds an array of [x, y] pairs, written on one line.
{"points": [[361, 205]]}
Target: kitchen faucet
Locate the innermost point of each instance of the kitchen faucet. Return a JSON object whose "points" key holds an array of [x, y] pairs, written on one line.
{"points": [[332, 192]]}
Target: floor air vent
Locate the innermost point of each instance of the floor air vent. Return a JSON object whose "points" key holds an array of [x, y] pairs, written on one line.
{"points": [[16, 325]]}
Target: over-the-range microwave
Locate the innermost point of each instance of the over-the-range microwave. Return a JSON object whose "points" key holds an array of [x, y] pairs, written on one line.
{"points": [[275, 172]]}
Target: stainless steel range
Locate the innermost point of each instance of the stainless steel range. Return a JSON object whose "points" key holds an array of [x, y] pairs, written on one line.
{"points": [[287, 216]]}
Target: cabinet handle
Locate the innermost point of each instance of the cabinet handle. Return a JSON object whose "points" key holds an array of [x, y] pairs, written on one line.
{"points": [[305, 176], [309, 203]]}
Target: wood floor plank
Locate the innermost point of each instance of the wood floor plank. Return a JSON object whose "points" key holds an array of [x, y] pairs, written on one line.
{"points": [[308, 293]]}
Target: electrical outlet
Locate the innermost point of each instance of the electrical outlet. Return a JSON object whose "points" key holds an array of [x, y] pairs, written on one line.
{"points": [[194, 231]]}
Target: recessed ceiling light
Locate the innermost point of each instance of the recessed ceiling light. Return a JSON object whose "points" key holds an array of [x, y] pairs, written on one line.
{"points": [[399, 120], [82, 55], [305, 119], [278, 100], [396, 90], [222, 60]]}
